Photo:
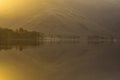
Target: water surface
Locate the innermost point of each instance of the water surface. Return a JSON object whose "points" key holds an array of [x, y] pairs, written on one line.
{"points": [[60, 61]]}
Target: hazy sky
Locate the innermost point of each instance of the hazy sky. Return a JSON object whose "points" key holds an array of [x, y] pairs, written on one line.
{"points": [[19, 12]]}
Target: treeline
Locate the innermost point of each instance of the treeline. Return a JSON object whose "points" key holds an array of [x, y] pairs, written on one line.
{"points": [[19, 34]]}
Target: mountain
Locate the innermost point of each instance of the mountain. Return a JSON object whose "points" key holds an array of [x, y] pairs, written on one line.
{"points": [[62, 23], [70, 17]]}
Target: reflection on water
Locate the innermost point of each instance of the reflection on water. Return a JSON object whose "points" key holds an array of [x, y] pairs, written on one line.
{"points": [[19, 44], [59, 61]]}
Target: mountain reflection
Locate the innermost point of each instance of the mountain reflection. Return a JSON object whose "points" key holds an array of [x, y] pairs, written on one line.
{"points": [[51, 60], [20, 38]]}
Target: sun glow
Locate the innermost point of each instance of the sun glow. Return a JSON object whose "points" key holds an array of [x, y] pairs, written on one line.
{"points": [[7, 7], [9, 72], [13, 7]]}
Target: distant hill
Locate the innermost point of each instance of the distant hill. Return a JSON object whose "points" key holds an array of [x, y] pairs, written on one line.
{"points": [[79, 17], [63, 23]]}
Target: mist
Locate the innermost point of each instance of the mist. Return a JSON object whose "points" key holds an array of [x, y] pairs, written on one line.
{"points": [[44, 15]]}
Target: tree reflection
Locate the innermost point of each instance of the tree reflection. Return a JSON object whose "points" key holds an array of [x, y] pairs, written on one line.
{"points": [[20, 38], [19, 44]]}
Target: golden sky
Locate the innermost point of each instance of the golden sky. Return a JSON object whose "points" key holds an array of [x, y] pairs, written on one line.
{"points": [[20, 12], [14, 11], [9, 7], [13, 8]]}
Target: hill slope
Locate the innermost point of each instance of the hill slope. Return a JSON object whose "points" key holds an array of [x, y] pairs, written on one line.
{"points": [[66, 17]]}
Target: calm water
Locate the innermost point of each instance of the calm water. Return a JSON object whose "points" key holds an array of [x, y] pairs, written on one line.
{"points": [[63, 60], [60, 61]]}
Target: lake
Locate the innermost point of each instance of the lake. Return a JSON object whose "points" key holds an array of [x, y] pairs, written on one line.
{"points": [[60, 61], [66, 60]]}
